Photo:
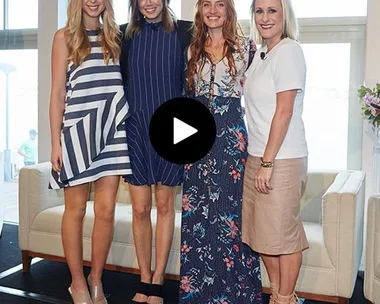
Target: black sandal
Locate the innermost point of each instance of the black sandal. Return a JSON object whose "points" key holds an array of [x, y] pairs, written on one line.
{"points": [[157, 290], [144, 289]]}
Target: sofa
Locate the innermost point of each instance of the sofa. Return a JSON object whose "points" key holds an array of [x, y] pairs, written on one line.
{"points": [[40, 213], [332, 213], [372, 257]]}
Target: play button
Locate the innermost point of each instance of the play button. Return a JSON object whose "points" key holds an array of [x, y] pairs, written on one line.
{"points": [[182, 130]]}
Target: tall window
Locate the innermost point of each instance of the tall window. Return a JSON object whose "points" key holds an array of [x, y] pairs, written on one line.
{"points": [[1, 14], [121, 11], [326, 104], [18, 79], [22, 14]]}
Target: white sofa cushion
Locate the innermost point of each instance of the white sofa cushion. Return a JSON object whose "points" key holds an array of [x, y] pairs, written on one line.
{"points": [[123, 196], [317, 255], [49, 221]]}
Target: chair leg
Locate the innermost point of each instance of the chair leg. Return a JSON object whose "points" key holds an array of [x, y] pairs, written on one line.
{"points": [[26, 261], [343, 301]]}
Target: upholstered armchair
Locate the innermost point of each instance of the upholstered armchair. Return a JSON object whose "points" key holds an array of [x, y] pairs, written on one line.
{"points": [[372, 258], [332, 213]]}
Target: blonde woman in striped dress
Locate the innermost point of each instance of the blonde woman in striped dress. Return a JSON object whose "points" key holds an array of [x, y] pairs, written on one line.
{"points": [[87, 113]]}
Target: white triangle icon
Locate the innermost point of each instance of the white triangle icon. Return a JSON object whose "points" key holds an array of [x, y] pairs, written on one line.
{"points": [[182, 130]]}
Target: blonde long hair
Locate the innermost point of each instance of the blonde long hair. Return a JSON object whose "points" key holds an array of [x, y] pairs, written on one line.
{"points": [[77, 40], [290, 26]]}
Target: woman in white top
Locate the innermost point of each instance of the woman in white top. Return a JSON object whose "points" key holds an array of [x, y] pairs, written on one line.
{"points": [[277, 164]]}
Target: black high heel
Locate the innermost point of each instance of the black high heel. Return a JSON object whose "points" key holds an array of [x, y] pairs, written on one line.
{"points": [[144, 289], [157, 290]]}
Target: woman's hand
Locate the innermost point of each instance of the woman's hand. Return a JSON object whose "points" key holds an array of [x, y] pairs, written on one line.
{"points": [[262, 180], [56, 158]]}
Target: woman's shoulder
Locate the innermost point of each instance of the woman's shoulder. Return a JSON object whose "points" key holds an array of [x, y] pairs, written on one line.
{"points": [[60, 40], [60, 35], [185, 25], [290, 46], [123, 30], [123, 27]]}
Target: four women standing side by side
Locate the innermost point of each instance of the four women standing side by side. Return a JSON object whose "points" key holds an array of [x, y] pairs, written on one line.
{"points": [[217, 217]]}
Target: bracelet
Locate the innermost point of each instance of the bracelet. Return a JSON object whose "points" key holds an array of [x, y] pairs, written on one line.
{"points": [[265, 164]]}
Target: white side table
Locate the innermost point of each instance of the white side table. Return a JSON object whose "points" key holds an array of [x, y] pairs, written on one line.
{"points": [[374, 133]]}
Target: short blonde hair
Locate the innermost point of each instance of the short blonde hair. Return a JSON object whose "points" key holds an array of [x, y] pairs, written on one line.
{"points": [[290, 26]]}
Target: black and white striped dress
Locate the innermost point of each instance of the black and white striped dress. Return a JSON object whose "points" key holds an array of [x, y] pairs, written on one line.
{"points": [[93, 137]]}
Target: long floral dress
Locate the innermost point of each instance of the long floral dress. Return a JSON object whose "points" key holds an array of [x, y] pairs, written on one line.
{"points": [[216, 267]]}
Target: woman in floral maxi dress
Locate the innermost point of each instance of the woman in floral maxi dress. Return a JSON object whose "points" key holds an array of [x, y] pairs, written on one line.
{"points": [[216, 267]]}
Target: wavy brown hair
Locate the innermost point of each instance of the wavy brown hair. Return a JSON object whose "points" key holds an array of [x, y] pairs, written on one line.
{"points": [[137, 19], [232, 34], [77, 40]]}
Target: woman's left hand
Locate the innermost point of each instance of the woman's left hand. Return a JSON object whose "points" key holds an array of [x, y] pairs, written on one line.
{"points": [[262, 180]]}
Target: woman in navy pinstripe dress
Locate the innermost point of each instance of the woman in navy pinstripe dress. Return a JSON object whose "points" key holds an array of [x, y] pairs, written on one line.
{"points": [[152, 67]]}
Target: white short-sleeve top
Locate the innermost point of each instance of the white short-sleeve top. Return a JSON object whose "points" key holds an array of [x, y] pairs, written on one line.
{"points": [[282, 69]]}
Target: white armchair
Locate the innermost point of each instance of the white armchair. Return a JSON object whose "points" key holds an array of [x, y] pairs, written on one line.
{"points": [[332, 213], [372, 259]]}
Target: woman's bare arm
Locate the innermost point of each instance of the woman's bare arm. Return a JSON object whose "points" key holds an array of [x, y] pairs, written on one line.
{"points": [[280, 123], [59, 61]]}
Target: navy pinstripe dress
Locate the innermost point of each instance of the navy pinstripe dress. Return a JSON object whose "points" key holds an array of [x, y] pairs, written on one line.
{"points": [[154, 76]]}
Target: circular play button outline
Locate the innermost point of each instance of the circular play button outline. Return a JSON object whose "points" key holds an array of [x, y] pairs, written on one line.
{"points": [[182, 130]]}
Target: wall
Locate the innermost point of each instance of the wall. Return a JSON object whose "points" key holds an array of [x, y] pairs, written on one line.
{"points": [[47, 26], [187, 9]]}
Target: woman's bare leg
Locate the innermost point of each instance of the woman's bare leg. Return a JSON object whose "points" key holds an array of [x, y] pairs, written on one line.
{"points": [[290, 265], [72, 233], [165, 198], [141, 197], [104, 208]]}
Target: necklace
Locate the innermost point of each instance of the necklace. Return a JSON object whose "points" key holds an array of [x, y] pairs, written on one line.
{"points": [[217, 53]]}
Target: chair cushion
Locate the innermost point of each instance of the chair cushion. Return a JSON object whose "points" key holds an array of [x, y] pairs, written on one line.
{"points": [[316, 255], [49, 221]]}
